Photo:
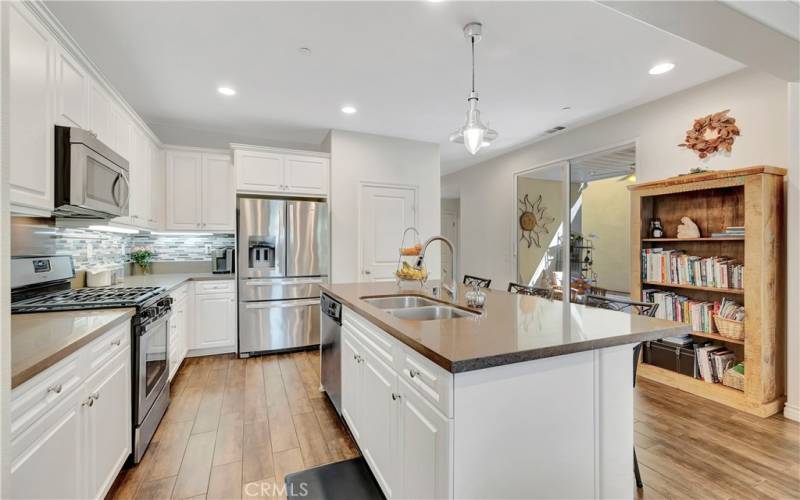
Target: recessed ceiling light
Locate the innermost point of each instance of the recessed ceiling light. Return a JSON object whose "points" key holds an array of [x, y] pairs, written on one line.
{"points": [[661, 68], [348, 110], [305, 51], [566, 108], [226, 91]]}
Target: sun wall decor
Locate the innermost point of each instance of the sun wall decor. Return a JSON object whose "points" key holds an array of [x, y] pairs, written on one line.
{"points": [[533, 220]]}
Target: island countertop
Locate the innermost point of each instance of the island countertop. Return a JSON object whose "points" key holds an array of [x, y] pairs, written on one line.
{"points": [[511, 328]]}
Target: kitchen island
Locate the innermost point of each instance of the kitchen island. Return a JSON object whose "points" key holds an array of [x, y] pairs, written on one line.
{"points": [[505, 403]]}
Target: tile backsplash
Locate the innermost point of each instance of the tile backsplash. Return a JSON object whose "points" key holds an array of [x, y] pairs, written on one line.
{"points": [[91, 248]]}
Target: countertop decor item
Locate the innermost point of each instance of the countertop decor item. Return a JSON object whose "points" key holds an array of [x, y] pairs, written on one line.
{"points": [[656, 229], [143, 257], [687, 229], [475, 297], [533, 220], [410, 270], [474, 134], [711, 133]]}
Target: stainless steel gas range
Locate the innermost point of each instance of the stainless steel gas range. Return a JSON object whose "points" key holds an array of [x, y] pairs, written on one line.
{"points": [[42, 284]]}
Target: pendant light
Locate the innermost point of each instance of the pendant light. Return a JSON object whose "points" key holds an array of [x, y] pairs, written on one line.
{"points": [[474, 134]]}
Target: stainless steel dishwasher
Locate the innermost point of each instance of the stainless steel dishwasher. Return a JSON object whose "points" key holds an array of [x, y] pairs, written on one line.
{"points": [[330, 339]]}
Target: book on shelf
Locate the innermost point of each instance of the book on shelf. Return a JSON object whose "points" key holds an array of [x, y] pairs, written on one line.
{"points": [[674, 307], [712, 361], [730, 232], [675, 267]]}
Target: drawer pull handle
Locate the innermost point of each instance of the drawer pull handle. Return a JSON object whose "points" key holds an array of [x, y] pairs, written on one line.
{"points": [[95, 396], [116, 342], [89, 402], [55, 388], [395, 396], [413, 373]]}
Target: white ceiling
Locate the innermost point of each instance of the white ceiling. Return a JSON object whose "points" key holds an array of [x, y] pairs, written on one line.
{"points": [[780, 15], [404, 65]]}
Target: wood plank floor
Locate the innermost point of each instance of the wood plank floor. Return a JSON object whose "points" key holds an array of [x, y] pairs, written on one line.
{"points": [[236, 427]]}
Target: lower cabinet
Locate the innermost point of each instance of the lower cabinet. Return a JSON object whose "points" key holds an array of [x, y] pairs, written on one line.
{"points": [[214, 321], [178, 329], [406, 441], [72, 440]]}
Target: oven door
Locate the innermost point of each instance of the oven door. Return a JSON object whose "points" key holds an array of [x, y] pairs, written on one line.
{"points": [[153, 369], [97, 183]]}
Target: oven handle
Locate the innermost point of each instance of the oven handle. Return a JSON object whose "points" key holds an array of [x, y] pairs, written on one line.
{"points": [[153, 326], [281, 304]]}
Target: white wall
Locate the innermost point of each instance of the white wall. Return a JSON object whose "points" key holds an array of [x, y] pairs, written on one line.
{"points": [[793, 256], [357, 158], [757, 101]]}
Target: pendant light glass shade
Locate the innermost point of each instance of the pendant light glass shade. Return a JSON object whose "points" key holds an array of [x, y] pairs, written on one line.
{"points": [[474, 134]]}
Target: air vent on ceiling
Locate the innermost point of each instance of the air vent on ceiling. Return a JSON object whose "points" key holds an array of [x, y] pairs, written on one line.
{"points": [[554, 129]]}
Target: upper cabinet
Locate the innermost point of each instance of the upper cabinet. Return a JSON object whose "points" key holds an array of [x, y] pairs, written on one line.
{"points": [[200, 193], [157, 190], [274, 171], [30, 111], [72, 87], [100, 114]]}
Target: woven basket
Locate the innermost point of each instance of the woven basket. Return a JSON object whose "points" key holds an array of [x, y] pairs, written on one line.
{"points": [[730, 328], [734, 379]]}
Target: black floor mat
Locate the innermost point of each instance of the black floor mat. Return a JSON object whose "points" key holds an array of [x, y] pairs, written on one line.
{"points": [[348, 480]]}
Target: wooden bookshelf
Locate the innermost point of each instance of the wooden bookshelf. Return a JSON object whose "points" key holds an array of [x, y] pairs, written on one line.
{"points": [[751, 197]]}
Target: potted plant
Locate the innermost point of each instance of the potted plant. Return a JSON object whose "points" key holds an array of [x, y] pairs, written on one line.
{"points": [[143, 257]]}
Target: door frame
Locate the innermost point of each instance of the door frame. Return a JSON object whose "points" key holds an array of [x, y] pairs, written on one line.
{"points": [[359, 235], [457, 243]]}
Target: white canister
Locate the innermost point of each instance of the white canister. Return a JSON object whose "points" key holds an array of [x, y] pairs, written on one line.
{"points": [[100, 276]]}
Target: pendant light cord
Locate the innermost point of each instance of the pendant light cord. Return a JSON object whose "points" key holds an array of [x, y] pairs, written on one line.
{"points": [[472, 40]]}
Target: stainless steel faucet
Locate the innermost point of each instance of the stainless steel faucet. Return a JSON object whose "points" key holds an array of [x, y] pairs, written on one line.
{"points": [[453, 287]]}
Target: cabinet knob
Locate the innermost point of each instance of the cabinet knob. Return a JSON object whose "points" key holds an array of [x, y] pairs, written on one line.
{"points": [[395, 396], [56, 388], [413, 373], [95, 396], [89, 402]]}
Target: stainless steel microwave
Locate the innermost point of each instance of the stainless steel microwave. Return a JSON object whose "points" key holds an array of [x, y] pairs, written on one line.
{"points": [[91, 180]]}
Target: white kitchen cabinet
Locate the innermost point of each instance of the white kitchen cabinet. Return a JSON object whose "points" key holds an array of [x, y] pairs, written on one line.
{"points": [[184, 190], [214, 322], [72, 86], [139, 203], [273, 171], [100, 114], [179, 327], [123, 129], [424, 451], [306, 174], [107, 423], [219, 195], [157, 188], [71, 424], [352, 357], [30, 110]]}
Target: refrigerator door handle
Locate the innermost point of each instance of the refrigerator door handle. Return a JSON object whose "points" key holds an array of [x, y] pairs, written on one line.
{"points": [[288, 281], [281, 304]]}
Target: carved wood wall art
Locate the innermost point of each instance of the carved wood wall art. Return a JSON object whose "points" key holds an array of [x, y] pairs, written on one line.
{"points": [[711, 133], [533, 220]]}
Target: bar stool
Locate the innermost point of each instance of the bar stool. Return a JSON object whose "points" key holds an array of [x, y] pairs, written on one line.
{"points": [[475, 280]]}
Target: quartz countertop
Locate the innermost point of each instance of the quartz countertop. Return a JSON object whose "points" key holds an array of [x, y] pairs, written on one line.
{"points": [[40, 340], [512, 328], [171, 281]]}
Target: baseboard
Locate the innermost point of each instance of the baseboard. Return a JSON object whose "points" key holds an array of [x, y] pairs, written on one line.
{"points": [[792, 412]]}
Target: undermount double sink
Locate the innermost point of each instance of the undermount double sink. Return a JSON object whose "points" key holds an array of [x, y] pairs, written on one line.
{"points": [[416, 308]]}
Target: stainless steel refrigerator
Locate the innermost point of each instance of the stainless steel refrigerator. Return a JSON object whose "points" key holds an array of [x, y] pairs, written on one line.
{"points": [[283, 256]]}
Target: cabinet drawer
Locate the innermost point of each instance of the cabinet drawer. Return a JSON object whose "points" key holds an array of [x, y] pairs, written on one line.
{"points": [[179, 294], [383, 344], [214, 286], [107, 346], [33, 399], [430, 380]]}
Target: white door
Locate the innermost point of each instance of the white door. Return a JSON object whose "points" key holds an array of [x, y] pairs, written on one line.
{"points": [[184, 185], [219, 195], [108, 423], [424, 453], [71, 93], [216, 321], [258, 172], [53, 444], [379, 433], [384, 213], [449, 231], [352, 354], [307, 175], [29, 110]]}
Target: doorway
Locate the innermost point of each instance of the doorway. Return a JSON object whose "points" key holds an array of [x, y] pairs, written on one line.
{"points": [[450, 224], [385, 211]]}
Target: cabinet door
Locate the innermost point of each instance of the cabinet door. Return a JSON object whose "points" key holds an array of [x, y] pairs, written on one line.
{"points": [[100, 120], [380, 410], [48, 458], [156, 194], [352, 353], [424, 447], [219, 195], [307, 175], [30, 115], [216, 321], [183, 200], [108, 422], [72, 86], [140, 181], [258, 172]]}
